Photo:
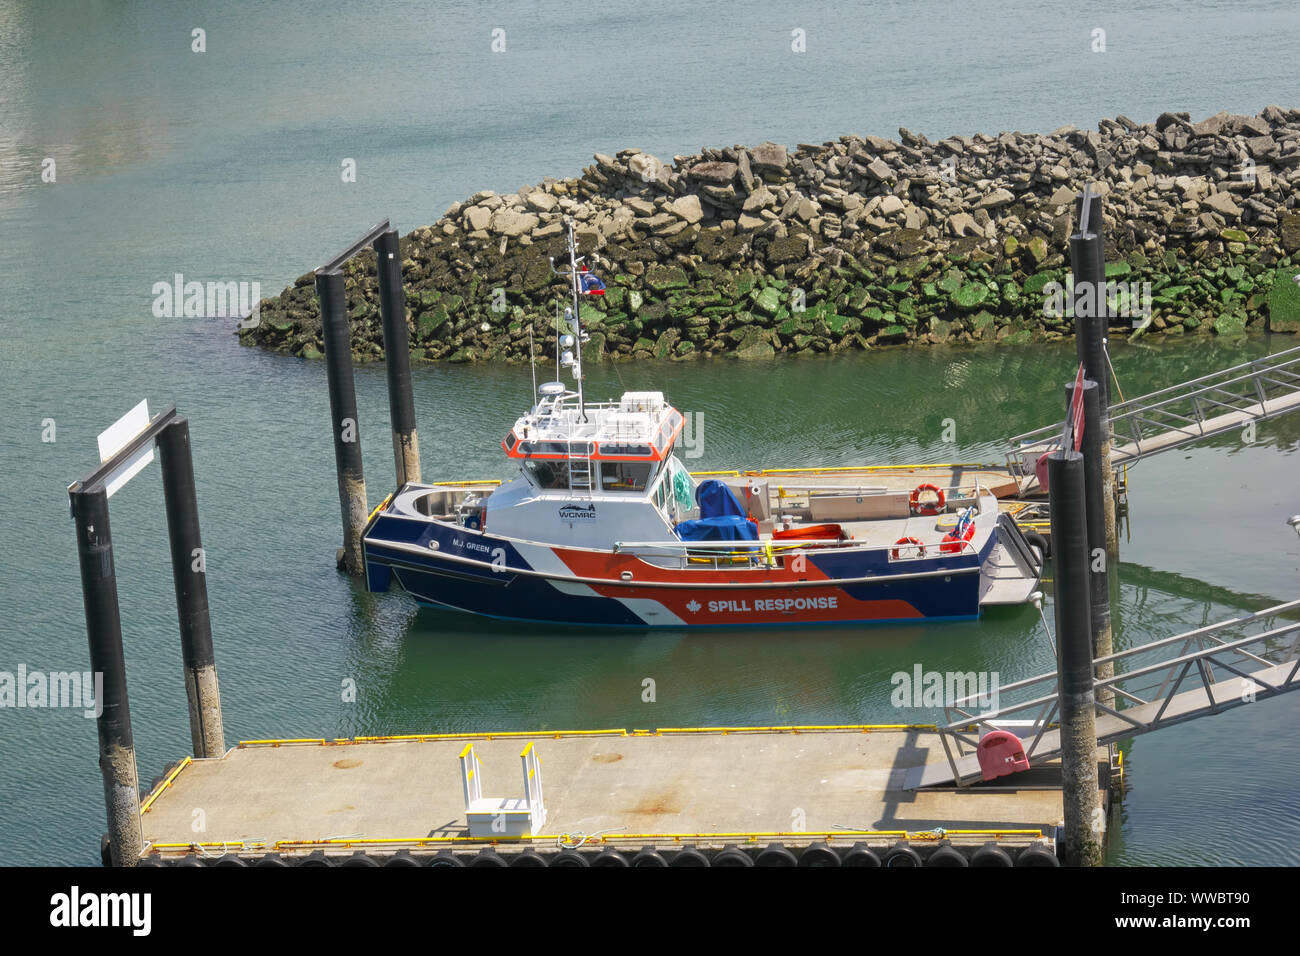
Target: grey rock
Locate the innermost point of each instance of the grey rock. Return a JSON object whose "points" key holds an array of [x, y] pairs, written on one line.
{"points": [[879, 170], [717, 173], [687, 208], [769, 158]]}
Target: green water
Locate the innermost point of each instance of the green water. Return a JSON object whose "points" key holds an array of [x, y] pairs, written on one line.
{"points": [[225, 167]]}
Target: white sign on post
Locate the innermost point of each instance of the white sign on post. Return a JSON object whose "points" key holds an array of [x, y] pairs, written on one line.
{"points": [[117, 436]]}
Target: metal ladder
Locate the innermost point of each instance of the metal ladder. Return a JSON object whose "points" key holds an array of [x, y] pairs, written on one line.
{"points": [[580, 475], [1210, 405]]}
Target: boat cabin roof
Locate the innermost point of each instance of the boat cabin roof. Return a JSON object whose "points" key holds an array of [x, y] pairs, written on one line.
{"points": [[640, 426]]}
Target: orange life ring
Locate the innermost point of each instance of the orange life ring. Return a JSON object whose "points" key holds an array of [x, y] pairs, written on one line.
{"points": [[914, 502], [920, 548]]}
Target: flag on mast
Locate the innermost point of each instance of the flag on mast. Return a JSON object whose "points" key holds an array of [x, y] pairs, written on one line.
{"points": [[589, 283]]}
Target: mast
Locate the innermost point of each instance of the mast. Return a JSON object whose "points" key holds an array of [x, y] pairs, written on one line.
{"points": [[572, 314], [576, 321]]}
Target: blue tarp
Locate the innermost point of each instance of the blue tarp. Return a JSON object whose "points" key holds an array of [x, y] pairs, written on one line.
{"points": [[720, 528], [716, 500]]}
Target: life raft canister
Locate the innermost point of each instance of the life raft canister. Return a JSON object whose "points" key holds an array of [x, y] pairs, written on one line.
{"points": [[920, 548], [914, 501], [961, 533]]}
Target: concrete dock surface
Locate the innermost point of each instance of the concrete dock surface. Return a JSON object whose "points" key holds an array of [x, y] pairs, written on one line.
{"points": [[687, 787]]}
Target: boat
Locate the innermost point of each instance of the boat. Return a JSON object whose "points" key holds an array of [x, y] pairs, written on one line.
{"points": [[603, 525]]}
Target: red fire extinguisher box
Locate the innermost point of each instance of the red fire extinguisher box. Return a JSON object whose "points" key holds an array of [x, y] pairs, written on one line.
{"points": [[1000, 753]]}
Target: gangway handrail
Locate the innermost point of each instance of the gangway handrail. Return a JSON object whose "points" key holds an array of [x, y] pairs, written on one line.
{"points": [[1198, 666], [1257, 367], [1213, 404], [1264, 360], [1198, 633]]}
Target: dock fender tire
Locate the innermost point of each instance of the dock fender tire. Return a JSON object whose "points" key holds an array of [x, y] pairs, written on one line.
{"points": [[1036, 540], [689, 857], [446, 858], [775, 854], [902, 855], [189, 859], [153, 859], [946, 856], [402, 858], [649, 856], [272, 859], [818, 854], [316, 858], [360, 859], [529, 857], [105, 854], [990, 854], [230, 859], [486, 857], [731, 855], [1037, 856], [860, 855], [569, 858], [610, 857]]}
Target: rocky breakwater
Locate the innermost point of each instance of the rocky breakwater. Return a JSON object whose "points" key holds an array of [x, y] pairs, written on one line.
{"points": [[853, 244]]}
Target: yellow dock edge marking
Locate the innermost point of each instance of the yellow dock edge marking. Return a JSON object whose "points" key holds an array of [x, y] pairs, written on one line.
{"points": [[164, 784], [792, 729], [558, 734], [775, 472], [748, 835], [833, 469]]}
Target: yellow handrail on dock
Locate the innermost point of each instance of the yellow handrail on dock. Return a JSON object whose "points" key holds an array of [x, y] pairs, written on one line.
{"points": [[164, 784], [557, 734]]}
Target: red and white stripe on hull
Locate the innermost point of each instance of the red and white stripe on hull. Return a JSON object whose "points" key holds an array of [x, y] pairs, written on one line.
{"points": [[772, 606], [767, 602]]}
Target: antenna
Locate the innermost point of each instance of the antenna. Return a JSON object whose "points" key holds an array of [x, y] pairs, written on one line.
{"points": [[573, 319], [532, 362]]}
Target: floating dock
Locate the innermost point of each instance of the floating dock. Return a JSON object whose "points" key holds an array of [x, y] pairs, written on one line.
{"points": [[670, 797]]}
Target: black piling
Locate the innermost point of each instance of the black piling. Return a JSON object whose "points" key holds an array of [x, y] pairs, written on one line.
{"points": [[397, 358], [104, 630], [1095, 508], [189, 571], [1091, 318], [343, 414], [1091, 310], [1078, 728]]}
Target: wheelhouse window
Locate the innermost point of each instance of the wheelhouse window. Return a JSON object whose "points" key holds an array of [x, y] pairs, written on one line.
{"points": [[547, 474], [624, 475]]}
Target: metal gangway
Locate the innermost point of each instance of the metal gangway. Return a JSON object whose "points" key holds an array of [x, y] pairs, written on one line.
{"points": [[1159, 684], [1172, 417]]}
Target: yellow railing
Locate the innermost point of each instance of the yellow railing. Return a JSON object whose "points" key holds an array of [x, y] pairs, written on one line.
{"points": [[164, 784], [558, 734]]}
